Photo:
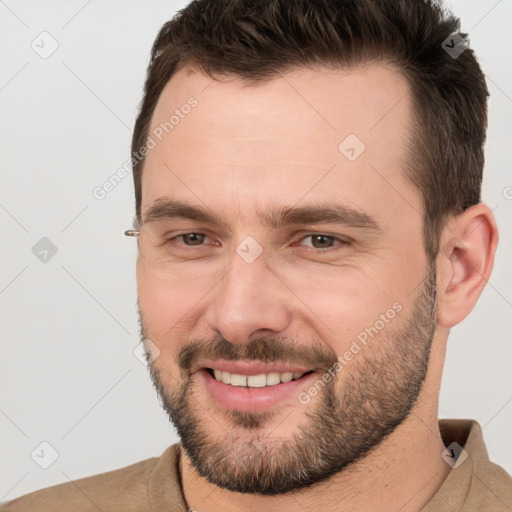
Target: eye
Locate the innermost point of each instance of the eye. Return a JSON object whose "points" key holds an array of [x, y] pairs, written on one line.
{"points": [[322, 241], [319, 241], [193, 238]]}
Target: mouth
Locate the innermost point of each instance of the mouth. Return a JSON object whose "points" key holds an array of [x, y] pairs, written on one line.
{"points": [[260, 380], [252, 386]]}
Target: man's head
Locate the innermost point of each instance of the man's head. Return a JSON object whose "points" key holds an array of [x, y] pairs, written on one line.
{"points": [[306, 161]]}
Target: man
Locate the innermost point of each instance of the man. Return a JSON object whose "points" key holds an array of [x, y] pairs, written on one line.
{"points": [[307, 179]]}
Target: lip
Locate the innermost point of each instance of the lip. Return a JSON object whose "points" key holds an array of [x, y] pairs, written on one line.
{"points": [[250, 367], [247, 399]]}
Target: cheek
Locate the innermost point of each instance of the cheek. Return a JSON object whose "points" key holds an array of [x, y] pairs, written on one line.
{"points": [[348, 303], [157, 301], [160, 309], [169, 308]]}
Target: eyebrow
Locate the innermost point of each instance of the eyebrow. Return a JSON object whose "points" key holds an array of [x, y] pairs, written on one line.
{"points": [[165, 208]]}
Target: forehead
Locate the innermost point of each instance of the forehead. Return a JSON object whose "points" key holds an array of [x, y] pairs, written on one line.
{"points": [[329, 133]]}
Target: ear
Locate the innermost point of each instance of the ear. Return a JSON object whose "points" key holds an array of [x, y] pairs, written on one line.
{"points": [[465, 262]]}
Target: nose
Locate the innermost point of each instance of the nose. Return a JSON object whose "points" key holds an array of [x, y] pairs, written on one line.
{"points": [[249, 299]]}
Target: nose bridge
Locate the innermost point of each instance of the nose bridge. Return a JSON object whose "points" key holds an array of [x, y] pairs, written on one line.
{"points": [[248, 298]]}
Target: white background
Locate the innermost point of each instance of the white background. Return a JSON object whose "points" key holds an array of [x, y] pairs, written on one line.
{"points": [[67, 372]]}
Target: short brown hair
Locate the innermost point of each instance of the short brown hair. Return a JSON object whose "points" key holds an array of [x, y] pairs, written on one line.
{"points": [[258, 39]]}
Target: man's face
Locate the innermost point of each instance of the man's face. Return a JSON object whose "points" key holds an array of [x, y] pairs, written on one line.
{"points": [[343, 304]]}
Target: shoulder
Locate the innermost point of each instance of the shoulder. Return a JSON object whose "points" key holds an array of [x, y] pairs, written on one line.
{"points": [[475, 482], [490, 485], [123, 489], [491, 488]]}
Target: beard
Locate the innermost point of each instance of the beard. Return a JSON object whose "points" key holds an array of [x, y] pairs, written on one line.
{"points": [[352, 414]]}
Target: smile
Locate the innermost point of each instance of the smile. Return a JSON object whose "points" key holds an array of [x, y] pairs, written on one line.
{"points": [[252, 385], [255, 381]]}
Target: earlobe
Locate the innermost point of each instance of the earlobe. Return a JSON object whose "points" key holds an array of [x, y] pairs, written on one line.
{"points": [[465, 263]]}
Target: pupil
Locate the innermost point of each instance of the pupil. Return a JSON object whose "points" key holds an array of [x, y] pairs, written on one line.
{"points": [[195, 238], [322, 239]]}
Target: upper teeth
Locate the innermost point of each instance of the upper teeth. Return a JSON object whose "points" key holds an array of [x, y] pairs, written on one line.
{"points": [[256, 381]]}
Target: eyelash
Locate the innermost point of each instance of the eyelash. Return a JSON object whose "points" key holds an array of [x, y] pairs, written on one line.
{"points": [[341, 243]]}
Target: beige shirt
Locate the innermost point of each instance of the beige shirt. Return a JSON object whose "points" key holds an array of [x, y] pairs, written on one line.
{"points": [[153, 485]]}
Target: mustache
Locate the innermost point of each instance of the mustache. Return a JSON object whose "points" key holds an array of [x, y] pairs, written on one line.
{"points": [[267, 350]]}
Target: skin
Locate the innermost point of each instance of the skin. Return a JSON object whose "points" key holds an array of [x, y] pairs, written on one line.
{"points": [[246, 148]]}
